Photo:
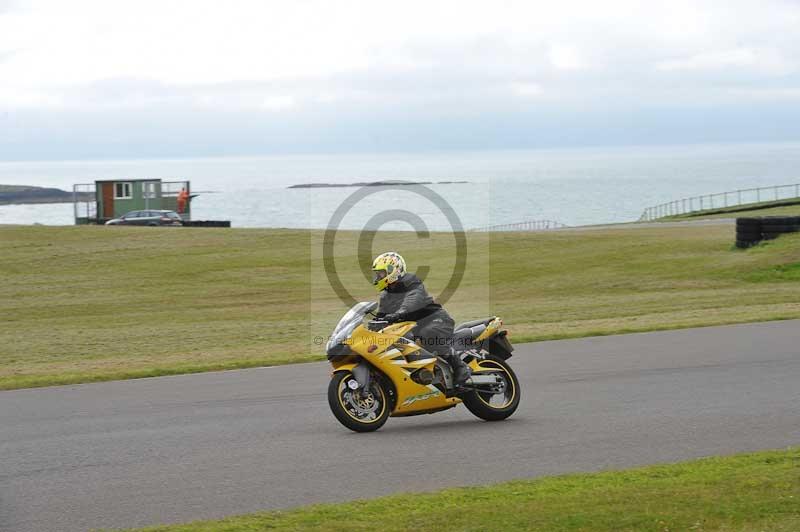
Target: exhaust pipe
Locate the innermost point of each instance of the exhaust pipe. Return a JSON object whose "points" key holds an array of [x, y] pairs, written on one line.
{"points": [[479, 380]]}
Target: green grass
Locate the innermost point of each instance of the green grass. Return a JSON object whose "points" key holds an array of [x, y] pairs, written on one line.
{"points": [[82, 304], [748, 492], [765, 208]]}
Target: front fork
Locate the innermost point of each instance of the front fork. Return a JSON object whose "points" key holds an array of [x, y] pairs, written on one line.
{"points": [[361, 374]]}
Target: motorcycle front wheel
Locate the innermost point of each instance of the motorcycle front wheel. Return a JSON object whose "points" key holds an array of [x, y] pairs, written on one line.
{"points": [[356, 411], [495, 406]]}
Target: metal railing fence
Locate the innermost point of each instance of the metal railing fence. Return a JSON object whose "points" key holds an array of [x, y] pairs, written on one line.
{"points": [[533, 225], [721, 200], [84, 203]]}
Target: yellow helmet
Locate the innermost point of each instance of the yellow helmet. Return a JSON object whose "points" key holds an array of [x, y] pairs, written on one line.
{"points": [[389, 268]]}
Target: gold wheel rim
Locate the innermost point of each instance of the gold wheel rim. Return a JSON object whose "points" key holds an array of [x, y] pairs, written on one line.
{"points": [[382, 401], [509, 384]]}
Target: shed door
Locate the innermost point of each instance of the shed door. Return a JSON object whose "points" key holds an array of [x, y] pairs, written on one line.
{"points": [[108, 200]]}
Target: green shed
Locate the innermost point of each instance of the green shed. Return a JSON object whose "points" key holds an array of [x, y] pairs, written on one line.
{"points": [[98, 202]]}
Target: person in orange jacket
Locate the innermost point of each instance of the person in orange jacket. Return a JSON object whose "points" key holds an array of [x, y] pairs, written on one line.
{"points": [[183, 199]]}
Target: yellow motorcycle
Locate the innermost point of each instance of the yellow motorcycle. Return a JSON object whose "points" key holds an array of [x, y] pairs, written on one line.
{"points": [[380, 371]]}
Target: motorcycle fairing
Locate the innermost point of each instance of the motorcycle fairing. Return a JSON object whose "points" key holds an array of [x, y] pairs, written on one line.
{"points": [[388, 354]]}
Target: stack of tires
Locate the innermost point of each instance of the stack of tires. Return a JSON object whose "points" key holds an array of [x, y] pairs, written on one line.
{"points": [[751, 231], [207, 223], [748, 232], [774, 226]]}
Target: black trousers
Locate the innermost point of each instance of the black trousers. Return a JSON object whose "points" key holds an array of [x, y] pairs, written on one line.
{"points": [[435, 333]]}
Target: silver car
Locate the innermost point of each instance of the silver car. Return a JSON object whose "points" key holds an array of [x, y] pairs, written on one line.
{"points": [[150, 218]]}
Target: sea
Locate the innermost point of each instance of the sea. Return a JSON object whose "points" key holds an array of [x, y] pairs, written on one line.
{"points": [[570, 186]]}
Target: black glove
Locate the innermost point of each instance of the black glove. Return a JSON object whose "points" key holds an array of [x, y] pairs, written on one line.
{"points": [[393, 317]]}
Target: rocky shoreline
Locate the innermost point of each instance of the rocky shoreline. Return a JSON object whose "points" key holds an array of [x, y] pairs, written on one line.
{"points": [[24, 195]]}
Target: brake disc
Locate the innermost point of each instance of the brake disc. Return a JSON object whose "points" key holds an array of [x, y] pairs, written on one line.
{"points": [[363, 406]]}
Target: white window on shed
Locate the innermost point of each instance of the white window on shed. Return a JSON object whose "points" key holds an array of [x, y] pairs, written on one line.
{"points": [[149, 191], [123, 190]]}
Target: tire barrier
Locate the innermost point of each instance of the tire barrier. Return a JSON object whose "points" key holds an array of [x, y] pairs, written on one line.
{"points": [[207, 223], [751, 231], [748, 232]]}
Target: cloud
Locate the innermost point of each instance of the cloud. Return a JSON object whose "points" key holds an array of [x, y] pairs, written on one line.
{"points": [[6, 55], [349, 59], [565, 57], [527, 89], [6, 6], [278, 102], [764, 61], [198, 43]]}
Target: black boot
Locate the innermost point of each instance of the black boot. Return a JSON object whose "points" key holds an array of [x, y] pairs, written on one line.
{"points": [[461, 372]]}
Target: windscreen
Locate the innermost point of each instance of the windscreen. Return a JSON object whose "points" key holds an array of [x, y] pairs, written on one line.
{"points": [[350, 321]]}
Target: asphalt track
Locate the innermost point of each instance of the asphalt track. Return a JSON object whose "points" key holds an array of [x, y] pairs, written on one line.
{"points": [[173, 449]]}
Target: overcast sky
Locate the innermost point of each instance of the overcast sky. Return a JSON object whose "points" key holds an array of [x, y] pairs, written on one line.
{"points": [[170, 78]]}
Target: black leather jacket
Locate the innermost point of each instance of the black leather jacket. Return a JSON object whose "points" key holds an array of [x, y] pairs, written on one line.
{"points": [[409, 298]]}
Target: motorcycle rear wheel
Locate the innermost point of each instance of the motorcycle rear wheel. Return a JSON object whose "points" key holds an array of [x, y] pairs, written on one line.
{"points": [[359, 414], [495, 407]]}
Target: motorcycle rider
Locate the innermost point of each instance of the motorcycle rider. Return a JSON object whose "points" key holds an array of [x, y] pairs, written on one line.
{"points": [[403, 297]]}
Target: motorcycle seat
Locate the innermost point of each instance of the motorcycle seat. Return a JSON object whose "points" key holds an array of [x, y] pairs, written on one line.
{"points": [[473, 323], [463, 334], [462, 338]]}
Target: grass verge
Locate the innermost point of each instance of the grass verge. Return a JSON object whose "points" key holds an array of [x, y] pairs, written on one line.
{"points": [[747, 492], [83, 304]]}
